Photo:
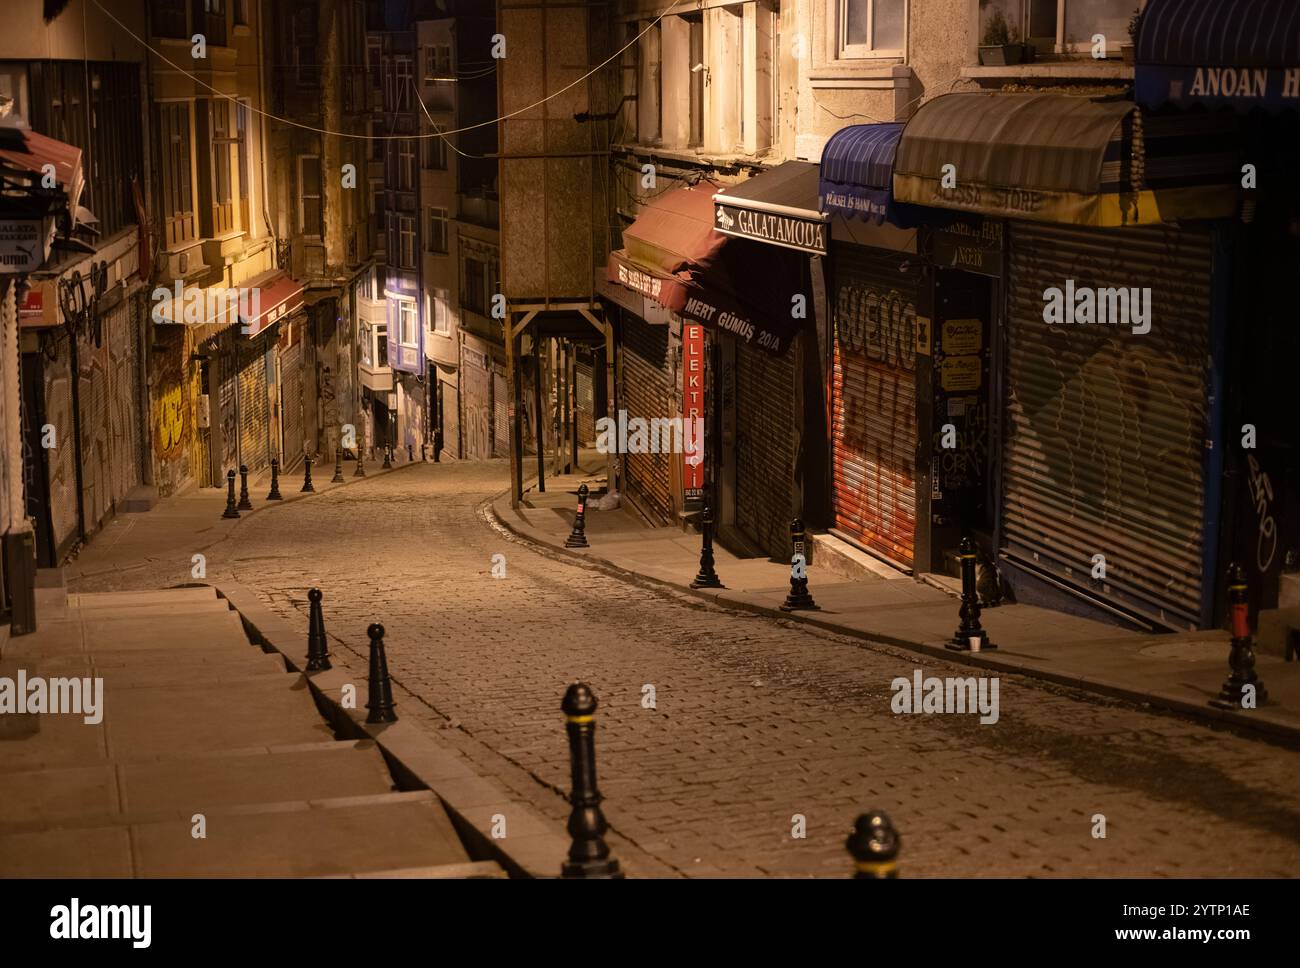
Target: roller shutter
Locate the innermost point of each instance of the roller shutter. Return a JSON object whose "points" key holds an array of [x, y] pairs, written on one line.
{"points": [[62, 459], [291, 404], [477, 406], [765, 447], [647, 394], [254, 416], [1106, 427], [500, 415], [585, 406], [227, 402], [873, 402]]}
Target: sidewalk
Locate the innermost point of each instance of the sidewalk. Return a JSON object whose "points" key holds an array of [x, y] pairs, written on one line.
{"points": [[188, 751], [191, 523], [1179, 672]]}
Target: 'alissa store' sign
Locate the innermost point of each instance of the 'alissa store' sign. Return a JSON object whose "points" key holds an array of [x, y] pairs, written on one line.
{"points": [[794, 232]]}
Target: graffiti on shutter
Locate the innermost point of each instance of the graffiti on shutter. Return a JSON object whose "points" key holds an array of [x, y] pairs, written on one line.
{"points": [[647, 394]]}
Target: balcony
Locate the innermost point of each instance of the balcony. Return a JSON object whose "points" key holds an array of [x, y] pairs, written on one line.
{"points": [[373, 312], [372, 369]]}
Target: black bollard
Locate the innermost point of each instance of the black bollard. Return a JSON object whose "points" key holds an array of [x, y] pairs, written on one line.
{"points": [[318, 650], [410, 453], [338, 467], [970, 635], [588, 854], [380, 698], [274, 494], [388, 457], [874, 845], [361, 464], [232, 511], [1242, 682], [437, 446], [798, 599], [578, 536], [244, 503], [306, 475], [707, 577]]}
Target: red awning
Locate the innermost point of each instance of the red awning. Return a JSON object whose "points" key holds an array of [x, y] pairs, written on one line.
{"points": [[672, 255], [37, 151], [271, 297]]}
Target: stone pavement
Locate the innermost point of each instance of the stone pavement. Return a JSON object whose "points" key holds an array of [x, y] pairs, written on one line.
{"points": [[1181, 672], [201, 756], [755, 721]]}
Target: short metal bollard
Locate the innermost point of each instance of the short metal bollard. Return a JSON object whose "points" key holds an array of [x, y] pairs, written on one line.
{"points": [[707, 576], [970, 635], [874, 845], [388, 457], [318, 652], [380, 693], [578, 536], [410, 453], [232, 511], [244, 503], [1243, 689], [588, 853], [274, 493], [361, 464], [799, 598], [306, 475], [338, 467]]}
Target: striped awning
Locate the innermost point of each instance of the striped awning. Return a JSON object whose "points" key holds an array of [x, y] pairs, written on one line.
{"points": [[1054, 158], [1218, 54], [857, 172]]}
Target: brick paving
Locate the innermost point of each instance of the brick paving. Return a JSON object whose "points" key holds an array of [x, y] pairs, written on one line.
{"points": [[756, 720]]}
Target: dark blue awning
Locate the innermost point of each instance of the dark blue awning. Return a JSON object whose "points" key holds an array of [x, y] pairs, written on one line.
{"points": [[857, 172], [1238, 54]]}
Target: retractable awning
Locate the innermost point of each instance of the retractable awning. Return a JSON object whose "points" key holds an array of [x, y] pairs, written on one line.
{"points": [[26, 151], [1062, 158], [673, 256], [1219, 55], [273, 295], [778, 206]]}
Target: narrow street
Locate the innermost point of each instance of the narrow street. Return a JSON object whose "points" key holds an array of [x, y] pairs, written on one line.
{"points": [[755, 721]]}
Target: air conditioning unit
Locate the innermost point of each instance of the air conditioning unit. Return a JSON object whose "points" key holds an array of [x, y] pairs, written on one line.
{"points": [[204, 412]]}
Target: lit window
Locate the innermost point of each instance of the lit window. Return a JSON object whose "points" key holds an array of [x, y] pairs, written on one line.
{"points": [[872, 28]]}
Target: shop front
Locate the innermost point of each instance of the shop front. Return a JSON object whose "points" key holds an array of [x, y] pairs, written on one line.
{"points": [[1106, 370], [708, 296]]}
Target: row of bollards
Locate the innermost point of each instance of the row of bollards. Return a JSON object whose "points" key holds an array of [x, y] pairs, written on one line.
{"points": [[233, 506], [873, 844]]}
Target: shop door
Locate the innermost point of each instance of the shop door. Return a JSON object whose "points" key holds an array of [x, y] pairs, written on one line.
{"points": [[1105, 448], [873, 402]]}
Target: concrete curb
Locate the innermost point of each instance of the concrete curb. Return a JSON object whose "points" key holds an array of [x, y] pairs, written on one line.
{"points": [[535, 845], [1256, 723]]}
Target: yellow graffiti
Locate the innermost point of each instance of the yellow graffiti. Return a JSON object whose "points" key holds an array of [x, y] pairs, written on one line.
{"points": [[171, 423]]}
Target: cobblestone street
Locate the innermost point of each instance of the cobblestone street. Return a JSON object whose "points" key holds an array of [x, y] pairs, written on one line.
{"points": [[756, 721]]}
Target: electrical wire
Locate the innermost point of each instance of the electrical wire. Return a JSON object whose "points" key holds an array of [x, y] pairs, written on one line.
{"points": [[365, 137]]}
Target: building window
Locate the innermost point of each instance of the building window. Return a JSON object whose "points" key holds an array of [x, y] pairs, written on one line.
{"points": [[1063, 26], [309, 196], [872, 28], [437, 62], [381, 346], [210, 21], [435, 153], [473, 292], [245, 171], [438, 312], [177, 187], [240, 8], [436, 237], [406, 242], [698, 71], [222, 207], [405, 80], [168, 19], [408, 323], [649, 113], [406, 165], [13, 90], [304, 46]]}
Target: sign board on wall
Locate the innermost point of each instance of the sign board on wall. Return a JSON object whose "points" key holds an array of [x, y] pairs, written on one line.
{"points": [[24, 243], [692, 415]]}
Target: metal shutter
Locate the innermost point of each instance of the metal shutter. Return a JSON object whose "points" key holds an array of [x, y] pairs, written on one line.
{"points": [[124, 410], [765, 447], [476, 405], [1106, 428], [501, 415], [227, 411], [254, 416], [291, 404], [62, 459], [585, 401], [873, 402], [647, 394]]}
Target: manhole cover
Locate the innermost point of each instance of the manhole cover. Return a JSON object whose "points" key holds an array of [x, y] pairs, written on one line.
{"points": [[1187, 651]]}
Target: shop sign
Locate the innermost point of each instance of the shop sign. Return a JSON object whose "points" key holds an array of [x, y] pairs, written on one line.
{"points": [[791, 231]]}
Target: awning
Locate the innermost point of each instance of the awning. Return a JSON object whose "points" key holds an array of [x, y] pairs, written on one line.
{"points": [[1056, 158], [1218, 54], [778, 206], [857, 171], [23, 150], [272, 296], [673, 256]]}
